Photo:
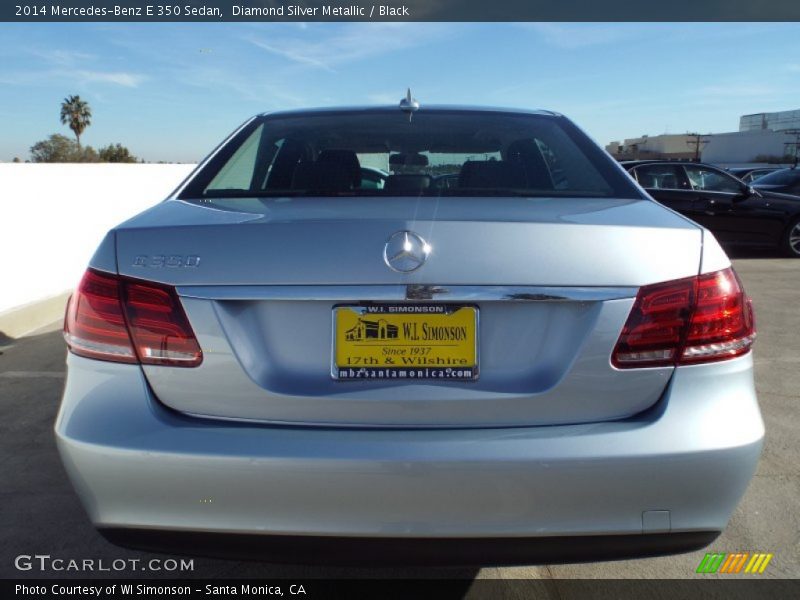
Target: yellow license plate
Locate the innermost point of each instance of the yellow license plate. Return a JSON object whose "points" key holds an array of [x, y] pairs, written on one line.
{"points": [[405, 342]]}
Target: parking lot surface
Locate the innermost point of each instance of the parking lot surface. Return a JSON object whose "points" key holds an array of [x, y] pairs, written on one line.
{"points": [[41, 514]]}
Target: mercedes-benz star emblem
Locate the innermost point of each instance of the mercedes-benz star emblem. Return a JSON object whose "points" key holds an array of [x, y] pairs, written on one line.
{"points": [[405, 252]]}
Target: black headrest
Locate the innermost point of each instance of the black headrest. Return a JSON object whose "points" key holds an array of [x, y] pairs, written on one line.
{"points": [[526, 153], [669, 181], [408, 182], [491, 174], [646, 180], [322, 177], [345, 160]]}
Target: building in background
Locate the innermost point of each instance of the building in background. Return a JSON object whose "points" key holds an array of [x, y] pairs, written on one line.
{"points": [[763, 138], [675, 146], [761, 146], [775, 121]]}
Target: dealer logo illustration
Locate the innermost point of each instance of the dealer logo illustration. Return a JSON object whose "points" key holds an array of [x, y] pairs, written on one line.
{"points": [[364, 329], [735, 562]]}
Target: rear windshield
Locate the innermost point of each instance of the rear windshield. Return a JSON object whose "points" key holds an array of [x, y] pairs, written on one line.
{"points": [[784, 177], [382, 153]]}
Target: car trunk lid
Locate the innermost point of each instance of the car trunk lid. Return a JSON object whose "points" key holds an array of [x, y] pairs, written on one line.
{"points": [[552, 281]]}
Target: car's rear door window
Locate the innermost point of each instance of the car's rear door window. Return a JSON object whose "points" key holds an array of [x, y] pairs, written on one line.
{"points": [[237, 172], [661, 177], [710, 180]]}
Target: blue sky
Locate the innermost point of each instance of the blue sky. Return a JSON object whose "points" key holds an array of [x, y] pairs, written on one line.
{"points": [[172, 91]]}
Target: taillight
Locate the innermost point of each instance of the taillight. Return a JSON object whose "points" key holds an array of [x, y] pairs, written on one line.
{"points": [[95, 325], [123, 320], [723, 325], [687, 321]]}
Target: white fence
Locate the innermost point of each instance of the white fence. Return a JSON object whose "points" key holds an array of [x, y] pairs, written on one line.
{"points": [[54, 216]]}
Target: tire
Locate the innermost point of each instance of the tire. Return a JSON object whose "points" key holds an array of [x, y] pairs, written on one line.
{"points": [[790, 245]]}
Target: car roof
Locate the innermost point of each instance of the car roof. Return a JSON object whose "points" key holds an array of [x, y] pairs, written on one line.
{"points": [[751, 169], [795, 170], [396, 109], [635, 163]]}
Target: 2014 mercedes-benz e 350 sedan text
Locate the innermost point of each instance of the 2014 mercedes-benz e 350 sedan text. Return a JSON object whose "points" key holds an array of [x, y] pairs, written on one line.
{"points": [[501, 351]]}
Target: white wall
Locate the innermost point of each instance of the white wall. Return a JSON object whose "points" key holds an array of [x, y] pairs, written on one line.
{"points": [[53, 216]]}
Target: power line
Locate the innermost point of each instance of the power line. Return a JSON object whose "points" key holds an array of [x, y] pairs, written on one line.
{"points": [[795, 145], [698, 142]]}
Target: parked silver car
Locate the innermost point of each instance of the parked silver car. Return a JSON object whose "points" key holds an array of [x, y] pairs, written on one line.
{"points": [[536, 362]]}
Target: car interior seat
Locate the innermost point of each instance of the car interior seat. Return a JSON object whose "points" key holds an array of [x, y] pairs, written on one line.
{"points": [[646, 180], [669, 182], [488, 174], [333, 171], [408, 182], [526, 154]]}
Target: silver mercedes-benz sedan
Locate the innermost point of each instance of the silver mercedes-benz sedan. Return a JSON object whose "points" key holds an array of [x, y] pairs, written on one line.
{"points": [[505, 351]]}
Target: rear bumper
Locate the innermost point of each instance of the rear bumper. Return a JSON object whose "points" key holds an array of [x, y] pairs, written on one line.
{"points": [[680, 467], [381, 551]]}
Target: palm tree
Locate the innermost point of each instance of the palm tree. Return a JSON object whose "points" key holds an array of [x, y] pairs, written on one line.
{"points": [[77, 114]]}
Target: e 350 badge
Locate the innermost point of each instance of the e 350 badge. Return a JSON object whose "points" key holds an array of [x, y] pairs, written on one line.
{"points": [[168, 261]]}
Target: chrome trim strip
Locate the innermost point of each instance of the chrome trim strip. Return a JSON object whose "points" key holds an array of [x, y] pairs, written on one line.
{"points": [[413, 292]]}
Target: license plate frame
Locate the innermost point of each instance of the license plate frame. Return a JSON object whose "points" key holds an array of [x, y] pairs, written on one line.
{"points": [[432, 314]]}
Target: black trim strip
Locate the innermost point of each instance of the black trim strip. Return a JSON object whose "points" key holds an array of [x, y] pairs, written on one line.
{"points": [[409, 551]]}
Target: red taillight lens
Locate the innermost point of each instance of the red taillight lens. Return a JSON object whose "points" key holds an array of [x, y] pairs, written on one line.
{"points": [[158, 326], [656, 325], [723, 325], [687, 321], [112, 318], [95, 325]]}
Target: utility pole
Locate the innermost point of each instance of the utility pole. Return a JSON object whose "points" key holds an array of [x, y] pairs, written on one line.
{"points": [[795, 145], [698, 142]]}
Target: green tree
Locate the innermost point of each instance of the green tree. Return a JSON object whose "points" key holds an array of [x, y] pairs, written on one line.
{"points": [[56, 148], [87, 154], [116, 153], [76, 114], [59, 148]]}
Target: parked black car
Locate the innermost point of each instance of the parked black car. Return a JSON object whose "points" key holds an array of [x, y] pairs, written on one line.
{"points": [[750, 174], [785, 181], [736, 213]]}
